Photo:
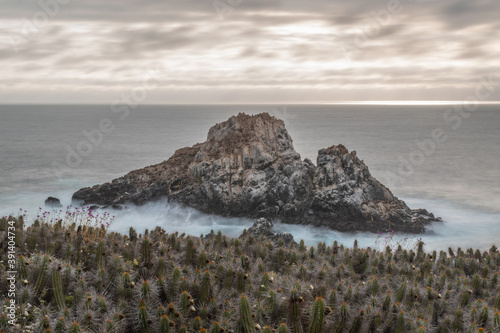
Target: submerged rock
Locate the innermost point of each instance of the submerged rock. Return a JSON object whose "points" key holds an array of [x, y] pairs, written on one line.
{"points": [[264, 227], [53, 202], [248, 167]]}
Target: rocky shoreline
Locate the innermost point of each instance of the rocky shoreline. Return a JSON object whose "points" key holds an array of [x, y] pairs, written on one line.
{"points": [[248, 167]]}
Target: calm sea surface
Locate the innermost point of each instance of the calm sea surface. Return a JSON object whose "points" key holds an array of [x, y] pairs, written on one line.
{"points": [[455, 173]]}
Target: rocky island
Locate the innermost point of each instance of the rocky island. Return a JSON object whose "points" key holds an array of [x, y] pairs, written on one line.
{"points": [[248, 167]]}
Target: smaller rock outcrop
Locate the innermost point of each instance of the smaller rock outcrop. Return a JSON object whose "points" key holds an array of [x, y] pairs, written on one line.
{"points": [[264, 227], [53, 202]]}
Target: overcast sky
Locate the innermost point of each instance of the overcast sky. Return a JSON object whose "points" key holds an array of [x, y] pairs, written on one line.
{"points": [[247, 51]]}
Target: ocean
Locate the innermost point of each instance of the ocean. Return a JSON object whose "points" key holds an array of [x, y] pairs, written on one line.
{"points": [[437, 157]]}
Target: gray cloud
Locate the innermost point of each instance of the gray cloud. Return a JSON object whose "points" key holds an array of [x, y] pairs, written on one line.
{"points": [[101, 48]]}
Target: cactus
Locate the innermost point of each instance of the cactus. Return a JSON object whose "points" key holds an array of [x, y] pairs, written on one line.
{"points": [[143, 319], [40, 281], [400, 323], [216, 326], [401, 292], [205, 288], [267, 329], [75, 328], [22, 271], [146, 252], [283, 328], [58, 289], [197, 324], [100, 256], [245, 322], [483, 317], [185, 302], [496, 321], [318, 316], [294, 311], [241, 281], [189, 251], [176, 281], [132, 234], [202, 260], [458, 321], [375, 323], [164, 324], [60, 325], [146, 290], [357, 323]]}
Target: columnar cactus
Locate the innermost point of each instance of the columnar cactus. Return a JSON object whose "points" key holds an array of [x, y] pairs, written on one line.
{"points": [[357, 323], [146, 252], [40, 281], [189, 251], [143, 319], [75, 328], [318, 316], [245, 323], [205, 288], [100, 256], [58, 289], [295, 312]]}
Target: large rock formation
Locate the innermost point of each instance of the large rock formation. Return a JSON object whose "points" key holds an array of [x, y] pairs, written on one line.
{"points": [[249, 168]]}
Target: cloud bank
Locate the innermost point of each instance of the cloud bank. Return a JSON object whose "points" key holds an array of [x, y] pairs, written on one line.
{"points": [[247, 51]]}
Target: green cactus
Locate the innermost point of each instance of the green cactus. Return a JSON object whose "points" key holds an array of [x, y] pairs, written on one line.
{"points": [[205, 288], [400, 323], [185, 302], [176, 281], [132, 234], [75, 328], [241, 278], [283, 328], [357, 323], [58, 289], [61, 325], [189, 251], [483, 317], [40, 281], [202, 260], [458, 321], [143, 319], [245, 323], [318, 316], [100, 262], [496, 321], [146, 252], [197, 324], [295, 312], [400, 294], [267, 329], [146, 290], [21, 268], [164, 324]]}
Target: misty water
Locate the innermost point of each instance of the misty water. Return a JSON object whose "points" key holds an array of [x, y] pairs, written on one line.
{"points": [[55, 150]]}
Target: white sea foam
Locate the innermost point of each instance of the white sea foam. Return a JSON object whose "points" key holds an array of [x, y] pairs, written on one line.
{"points": [[459, 228], [462, 227]]}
